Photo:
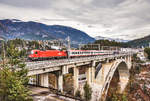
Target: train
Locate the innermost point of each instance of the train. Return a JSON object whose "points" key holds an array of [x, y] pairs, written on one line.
{"points": [[53, 54]]}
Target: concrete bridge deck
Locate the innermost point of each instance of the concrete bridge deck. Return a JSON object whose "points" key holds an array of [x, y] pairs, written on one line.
{"points": [[54, 65]]}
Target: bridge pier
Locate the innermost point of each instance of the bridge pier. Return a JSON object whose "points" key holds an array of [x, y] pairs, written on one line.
{"points": [[43, 78], [93, 71], [89, 75], [128, 61], [60, 81], [107, 60], [64, 70], [76, 78], [37, 83]]}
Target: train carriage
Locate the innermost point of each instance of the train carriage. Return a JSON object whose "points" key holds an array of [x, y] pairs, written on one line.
{"points": [[74, 53]]}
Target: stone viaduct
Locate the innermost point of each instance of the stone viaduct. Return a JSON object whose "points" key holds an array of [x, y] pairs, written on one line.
{"points": [[99, 71]]}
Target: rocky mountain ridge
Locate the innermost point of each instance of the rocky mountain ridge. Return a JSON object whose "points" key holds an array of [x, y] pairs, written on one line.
{"points": [[30, 30]]}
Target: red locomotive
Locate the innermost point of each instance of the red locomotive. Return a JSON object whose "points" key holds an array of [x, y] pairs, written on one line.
{"points": [[38, 54]]}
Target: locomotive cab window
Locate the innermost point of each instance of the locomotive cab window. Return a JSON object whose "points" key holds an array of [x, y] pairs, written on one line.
{"points": [[31, 52], [36, 52]]}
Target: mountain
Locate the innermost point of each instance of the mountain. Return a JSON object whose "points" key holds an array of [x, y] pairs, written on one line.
{"points": [[1, 38], [30, 30], [140, 42], [110, 39]]}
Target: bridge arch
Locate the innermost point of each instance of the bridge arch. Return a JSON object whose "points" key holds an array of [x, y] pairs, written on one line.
{"points": [[121, 66]]}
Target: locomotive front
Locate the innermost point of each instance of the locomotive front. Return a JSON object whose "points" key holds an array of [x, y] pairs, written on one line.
{"points": [[34, 54]]}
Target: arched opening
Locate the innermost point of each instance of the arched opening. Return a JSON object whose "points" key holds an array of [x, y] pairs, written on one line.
{"points": [[118, 81], [123, 75]]}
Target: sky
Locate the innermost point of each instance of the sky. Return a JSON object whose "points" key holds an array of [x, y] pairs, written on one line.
{"points": [[125, 19]]}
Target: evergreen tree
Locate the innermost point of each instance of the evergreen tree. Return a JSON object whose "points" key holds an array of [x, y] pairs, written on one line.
{"points": [[87, 92], [147, 50], [13, 78], [114, 98], [78, 94], [124, 97]]}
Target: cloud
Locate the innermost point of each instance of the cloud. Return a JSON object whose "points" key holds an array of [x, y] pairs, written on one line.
{"points": [[27, 3], [127, 19]]}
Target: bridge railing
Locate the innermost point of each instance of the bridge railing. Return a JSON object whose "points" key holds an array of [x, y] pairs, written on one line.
{"points": [[54, 63]]}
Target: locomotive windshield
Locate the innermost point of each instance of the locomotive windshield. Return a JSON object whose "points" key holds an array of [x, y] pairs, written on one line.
{"points": [[32, 52]]}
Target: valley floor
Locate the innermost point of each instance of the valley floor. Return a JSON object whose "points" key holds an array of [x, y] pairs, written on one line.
{"points": [[44, 94], [139, 85]]}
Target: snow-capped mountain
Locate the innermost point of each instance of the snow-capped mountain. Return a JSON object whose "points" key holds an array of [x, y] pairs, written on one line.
{"points": [[110, 39], [30, 30]]}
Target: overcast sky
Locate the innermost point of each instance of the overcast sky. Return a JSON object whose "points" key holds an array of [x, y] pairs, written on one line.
{"points": [[126, 19]]}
